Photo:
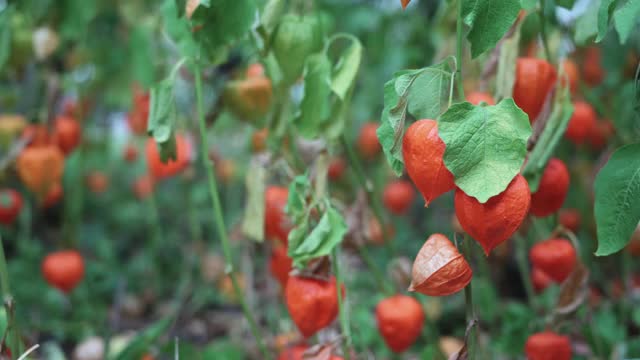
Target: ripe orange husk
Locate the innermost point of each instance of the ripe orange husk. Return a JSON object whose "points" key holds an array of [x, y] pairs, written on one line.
{"points": [[534, 80], [400, 319], [40, 168], [555, 257], [312, 303], [496, 220], [368, 144], [552, 190], [160, 170], [63, 269], [422, 150], [398, 196], [548, 345]]}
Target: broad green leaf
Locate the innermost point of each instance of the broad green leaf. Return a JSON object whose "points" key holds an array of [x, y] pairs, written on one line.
{"points": [[220, 22], [5, 36], [179, 30], [423, 94], [162, 117], [489, 21], [625, 18], [587, 24], [141, 50], [253, 221], [550, 138], [322, 239], [299, 191], [604, 13], [141, 343], [617, 190], [314, 108], [485, 146], [506, 75], [346, 69]]}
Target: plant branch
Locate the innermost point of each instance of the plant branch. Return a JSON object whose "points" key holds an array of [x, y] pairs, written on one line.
{"points": [[344, 320]]}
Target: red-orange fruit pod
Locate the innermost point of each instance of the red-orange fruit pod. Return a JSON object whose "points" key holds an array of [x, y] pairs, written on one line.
{"points": [[571, 71], [400, 319], [53, 196], [600, 134], [496, 220], [67, 133], [552, 190], [63, 269], [37, 135], [548, 346], [40, 167], [368, 144], [534, 80], [10, 205], [570, 218], [337, 167], [161, 170], [422, 150], [280, 265], [554, 257], [592, 70], [477, 97], [139, 115], [130, 153], [276, 222], [439, 269], [293, 353], [540, 279], [143, 186], [582, 123], [398, 196], [312, 303]]}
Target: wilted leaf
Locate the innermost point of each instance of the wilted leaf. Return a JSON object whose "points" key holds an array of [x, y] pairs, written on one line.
{"points": [[485, 146], [617, 190], [253, 222], [162, 117], [574, 290], [314, 109], [345, 70]]}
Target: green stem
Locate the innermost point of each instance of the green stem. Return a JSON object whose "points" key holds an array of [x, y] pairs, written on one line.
{"points": [[4, 272], [344, 320], [384, 285], [523, 266], [7, 299], [468, 301], [366, 184], [459, 45], [543, 31], [219, 220]]}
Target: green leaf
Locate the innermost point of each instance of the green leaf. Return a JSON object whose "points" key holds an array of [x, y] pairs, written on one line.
{"points": [[506, 75], [485, 146], [314, 108], [422, 93], [550, 138], [272, 13], [179, 30], [346, 69], [299, 191], [181, 6], [604, 13], [324, 237], [625, 18], [220, 22], [587, 24], [141, 343], [617, 209], [489, 21], [5, 36], [253, 221], [162, 117], [528, 4]]}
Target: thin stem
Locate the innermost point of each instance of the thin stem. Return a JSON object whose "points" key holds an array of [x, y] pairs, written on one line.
{"points": [[365, 183], [468, 300], [219, 220], [377, 274], [459, 45], [543, 31], [344, 321], [525, 273]]}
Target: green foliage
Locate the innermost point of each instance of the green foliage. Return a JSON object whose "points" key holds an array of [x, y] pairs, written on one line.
{"points": [[625, 18], [253, 221], [143, 340], [489, 21], [517, 320], [485, 146], [314, 109], [162, 118], [604, 14], [617, 189], [421, 93], [179, 30], [550, 138], [587, 25], [5, 35]]}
